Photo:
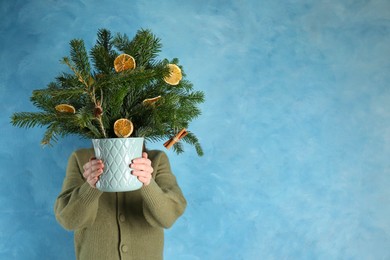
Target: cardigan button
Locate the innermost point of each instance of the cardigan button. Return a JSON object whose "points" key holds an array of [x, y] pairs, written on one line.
{"points": [[122, 218], [125, 249]]}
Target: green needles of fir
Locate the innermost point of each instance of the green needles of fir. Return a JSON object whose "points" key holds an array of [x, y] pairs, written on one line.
{"points": [[122, 42], [50, 136], [100, 95], [114, 100], [31, 119], [48, 98], [85, 120], [102, 54], [191, 139], [79, 56], [144, 47], [178, 148]]}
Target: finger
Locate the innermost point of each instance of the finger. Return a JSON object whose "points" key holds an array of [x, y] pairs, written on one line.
{"points": [[91, 162], [143, 160], [138, 166], [86, 173], [88, 164], [91, 179], [96, 162], [97, 173], [136, 173], [140, 173], [97, 167], [142, 167], [144, 180], [92, 182], [144, 155], [91, 167]]}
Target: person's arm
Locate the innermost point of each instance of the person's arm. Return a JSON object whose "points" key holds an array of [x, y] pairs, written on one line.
{"points": [[163, 199], [77, 204]]}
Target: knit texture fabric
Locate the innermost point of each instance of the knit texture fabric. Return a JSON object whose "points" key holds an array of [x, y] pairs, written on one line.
{"points": [[123, 225]]}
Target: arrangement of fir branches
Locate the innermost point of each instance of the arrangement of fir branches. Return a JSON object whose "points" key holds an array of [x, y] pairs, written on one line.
{"points": [[95, 97]]}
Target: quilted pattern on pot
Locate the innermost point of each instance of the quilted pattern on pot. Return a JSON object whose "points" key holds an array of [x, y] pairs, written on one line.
{"points": [[117, 154]]}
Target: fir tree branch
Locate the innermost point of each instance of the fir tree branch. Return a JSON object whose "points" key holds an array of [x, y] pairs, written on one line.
{"points": [[94, 131], [42, 100], [102, 54], [50, 134], [123, 94], [178, 148], [31, 119], [191, 139], [79, 56], [80, 77], [57, 94], [156, 138], [67, 80], [144, 47], [121, 42], [89, 87], [104, 39], [101, 126]]}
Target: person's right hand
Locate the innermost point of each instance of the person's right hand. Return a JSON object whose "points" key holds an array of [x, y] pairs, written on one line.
{"points": [[92, 170]]}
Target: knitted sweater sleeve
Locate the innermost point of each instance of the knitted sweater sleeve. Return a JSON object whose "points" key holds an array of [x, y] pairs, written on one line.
{"points": [[163, 201], [77, 204]]}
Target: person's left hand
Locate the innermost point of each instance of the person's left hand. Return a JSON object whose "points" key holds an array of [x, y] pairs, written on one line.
{"points": [[142, 168]]}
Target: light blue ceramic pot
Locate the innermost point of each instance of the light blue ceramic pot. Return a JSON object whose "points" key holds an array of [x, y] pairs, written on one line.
{"points": [[117, 154]]}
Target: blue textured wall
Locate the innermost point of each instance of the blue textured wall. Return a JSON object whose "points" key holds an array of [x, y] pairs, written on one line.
{"points": [[296, 127]]}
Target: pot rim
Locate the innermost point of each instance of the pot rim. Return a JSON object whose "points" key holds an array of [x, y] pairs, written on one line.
{"points": [[117, 138]]}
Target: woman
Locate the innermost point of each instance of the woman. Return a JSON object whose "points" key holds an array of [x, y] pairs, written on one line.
{"points": [[125, 225]]}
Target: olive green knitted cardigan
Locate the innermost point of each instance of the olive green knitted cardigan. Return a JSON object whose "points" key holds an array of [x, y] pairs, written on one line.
{"points": [[126, 225]]}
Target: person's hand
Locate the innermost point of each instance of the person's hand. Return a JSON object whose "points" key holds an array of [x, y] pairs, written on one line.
{"points": [[142, 168], [92, 170]]}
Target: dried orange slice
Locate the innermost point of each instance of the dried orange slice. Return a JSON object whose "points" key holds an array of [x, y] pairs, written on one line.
{"points": [[151, 101], [174, 75], [65, 108], [124, 62], [123, 127]]}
